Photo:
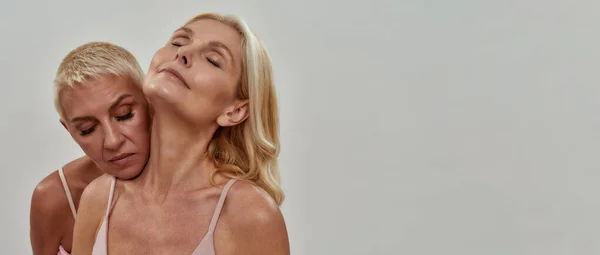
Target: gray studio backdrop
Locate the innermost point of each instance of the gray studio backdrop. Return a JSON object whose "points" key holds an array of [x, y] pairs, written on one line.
{"points": [[408, 127]]}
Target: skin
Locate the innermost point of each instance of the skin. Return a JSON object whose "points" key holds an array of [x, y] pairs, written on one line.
{"points": [[51, 219], [109, 120], [104, 132], [168, 208]]}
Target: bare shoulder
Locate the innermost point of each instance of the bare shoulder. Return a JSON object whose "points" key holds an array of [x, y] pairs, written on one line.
{"points": [[92, 208], [247, 196], [50, 193], [49, 216], [94, 201], [95, 195], [49, 201], [255, 220]]}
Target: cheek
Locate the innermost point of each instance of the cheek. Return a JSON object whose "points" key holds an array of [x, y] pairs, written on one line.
{"points": [[162, 56], [159, 57], [138, 130], [215, 89], [91, 146]]}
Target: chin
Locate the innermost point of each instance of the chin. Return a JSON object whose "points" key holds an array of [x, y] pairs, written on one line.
{"points": [[153, 91], [162, 96], [128, 173]]}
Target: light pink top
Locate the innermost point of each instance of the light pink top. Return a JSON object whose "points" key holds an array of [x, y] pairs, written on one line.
{"points": [[63, 179], [61, 251], [206, 246]]}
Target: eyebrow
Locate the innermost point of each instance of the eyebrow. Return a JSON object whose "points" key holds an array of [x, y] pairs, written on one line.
{"points": [[112, 106], [215, 44], [185, 29]]}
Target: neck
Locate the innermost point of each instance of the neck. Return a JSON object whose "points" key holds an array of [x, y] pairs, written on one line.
{"points": [[178, 157], [91, 170]]}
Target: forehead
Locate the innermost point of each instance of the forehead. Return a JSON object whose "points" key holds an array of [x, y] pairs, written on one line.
{"points": [[95, 96], [213, 30]]}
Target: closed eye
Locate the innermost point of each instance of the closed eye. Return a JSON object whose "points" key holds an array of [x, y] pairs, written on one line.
{"points": [[124, 117], [214, 63], [178, 41], [87, 131]]}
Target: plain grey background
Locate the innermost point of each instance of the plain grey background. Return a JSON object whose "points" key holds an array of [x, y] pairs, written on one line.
{"points": [[408, 127]]}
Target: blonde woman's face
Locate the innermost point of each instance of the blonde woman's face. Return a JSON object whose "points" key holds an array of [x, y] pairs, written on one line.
{"points": [[196, 74], [109, 120]]}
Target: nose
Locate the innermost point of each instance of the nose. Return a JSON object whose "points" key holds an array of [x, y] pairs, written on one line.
{"points": [[113, 139], [185, 55]]}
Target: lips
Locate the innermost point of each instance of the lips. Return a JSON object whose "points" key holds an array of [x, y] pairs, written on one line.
{"points": [[174, 73], [121, 160], [120, 156]]}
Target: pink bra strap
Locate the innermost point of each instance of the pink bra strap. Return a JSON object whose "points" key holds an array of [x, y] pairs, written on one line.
{"points": [[65, 185], [101, 243], [215, 218], [110, 195]]}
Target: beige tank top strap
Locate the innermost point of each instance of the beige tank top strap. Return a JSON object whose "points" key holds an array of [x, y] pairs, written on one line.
{"points": [[63, 179], [111, 193], [215, 218]]}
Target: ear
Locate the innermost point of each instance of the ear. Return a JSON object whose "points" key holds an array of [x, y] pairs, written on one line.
{"points": [[234, 115]]}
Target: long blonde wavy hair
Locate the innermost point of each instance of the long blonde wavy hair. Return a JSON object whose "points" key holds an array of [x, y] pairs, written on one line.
{"points": [[250, 149]]}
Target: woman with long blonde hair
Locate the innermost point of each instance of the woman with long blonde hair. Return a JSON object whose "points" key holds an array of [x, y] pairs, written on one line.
{"points": [[211, 184]]}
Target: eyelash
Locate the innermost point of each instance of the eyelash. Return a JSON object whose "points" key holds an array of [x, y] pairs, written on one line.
{"points": [[124, 117], [118, 118], [87, 131], [214, 63]]}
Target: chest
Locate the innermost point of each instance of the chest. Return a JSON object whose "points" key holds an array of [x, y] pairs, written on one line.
{"points": [[176, 226]]}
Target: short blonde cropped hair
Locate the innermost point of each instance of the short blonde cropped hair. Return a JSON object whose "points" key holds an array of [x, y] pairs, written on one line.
{"points": [[93, 61]]}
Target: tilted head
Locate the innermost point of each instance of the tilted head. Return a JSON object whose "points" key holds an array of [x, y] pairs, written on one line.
{"points": [[99, 98], [215, 74]]}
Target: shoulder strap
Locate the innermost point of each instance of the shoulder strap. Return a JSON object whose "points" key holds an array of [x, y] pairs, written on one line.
{"points": [[215, 218], [110, 195], [101, 242], [63, 179]]}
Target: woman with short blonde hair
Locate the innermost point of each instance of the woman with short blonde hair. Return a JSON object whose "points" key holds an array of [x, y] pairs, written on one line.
{"points": [[100, 102]]}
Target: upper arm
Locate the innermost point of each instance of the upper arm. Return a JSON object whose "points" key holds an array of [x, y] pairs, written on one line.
{"points": [[89, 217], [255, 223], [265, 233], [47, 216]]}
